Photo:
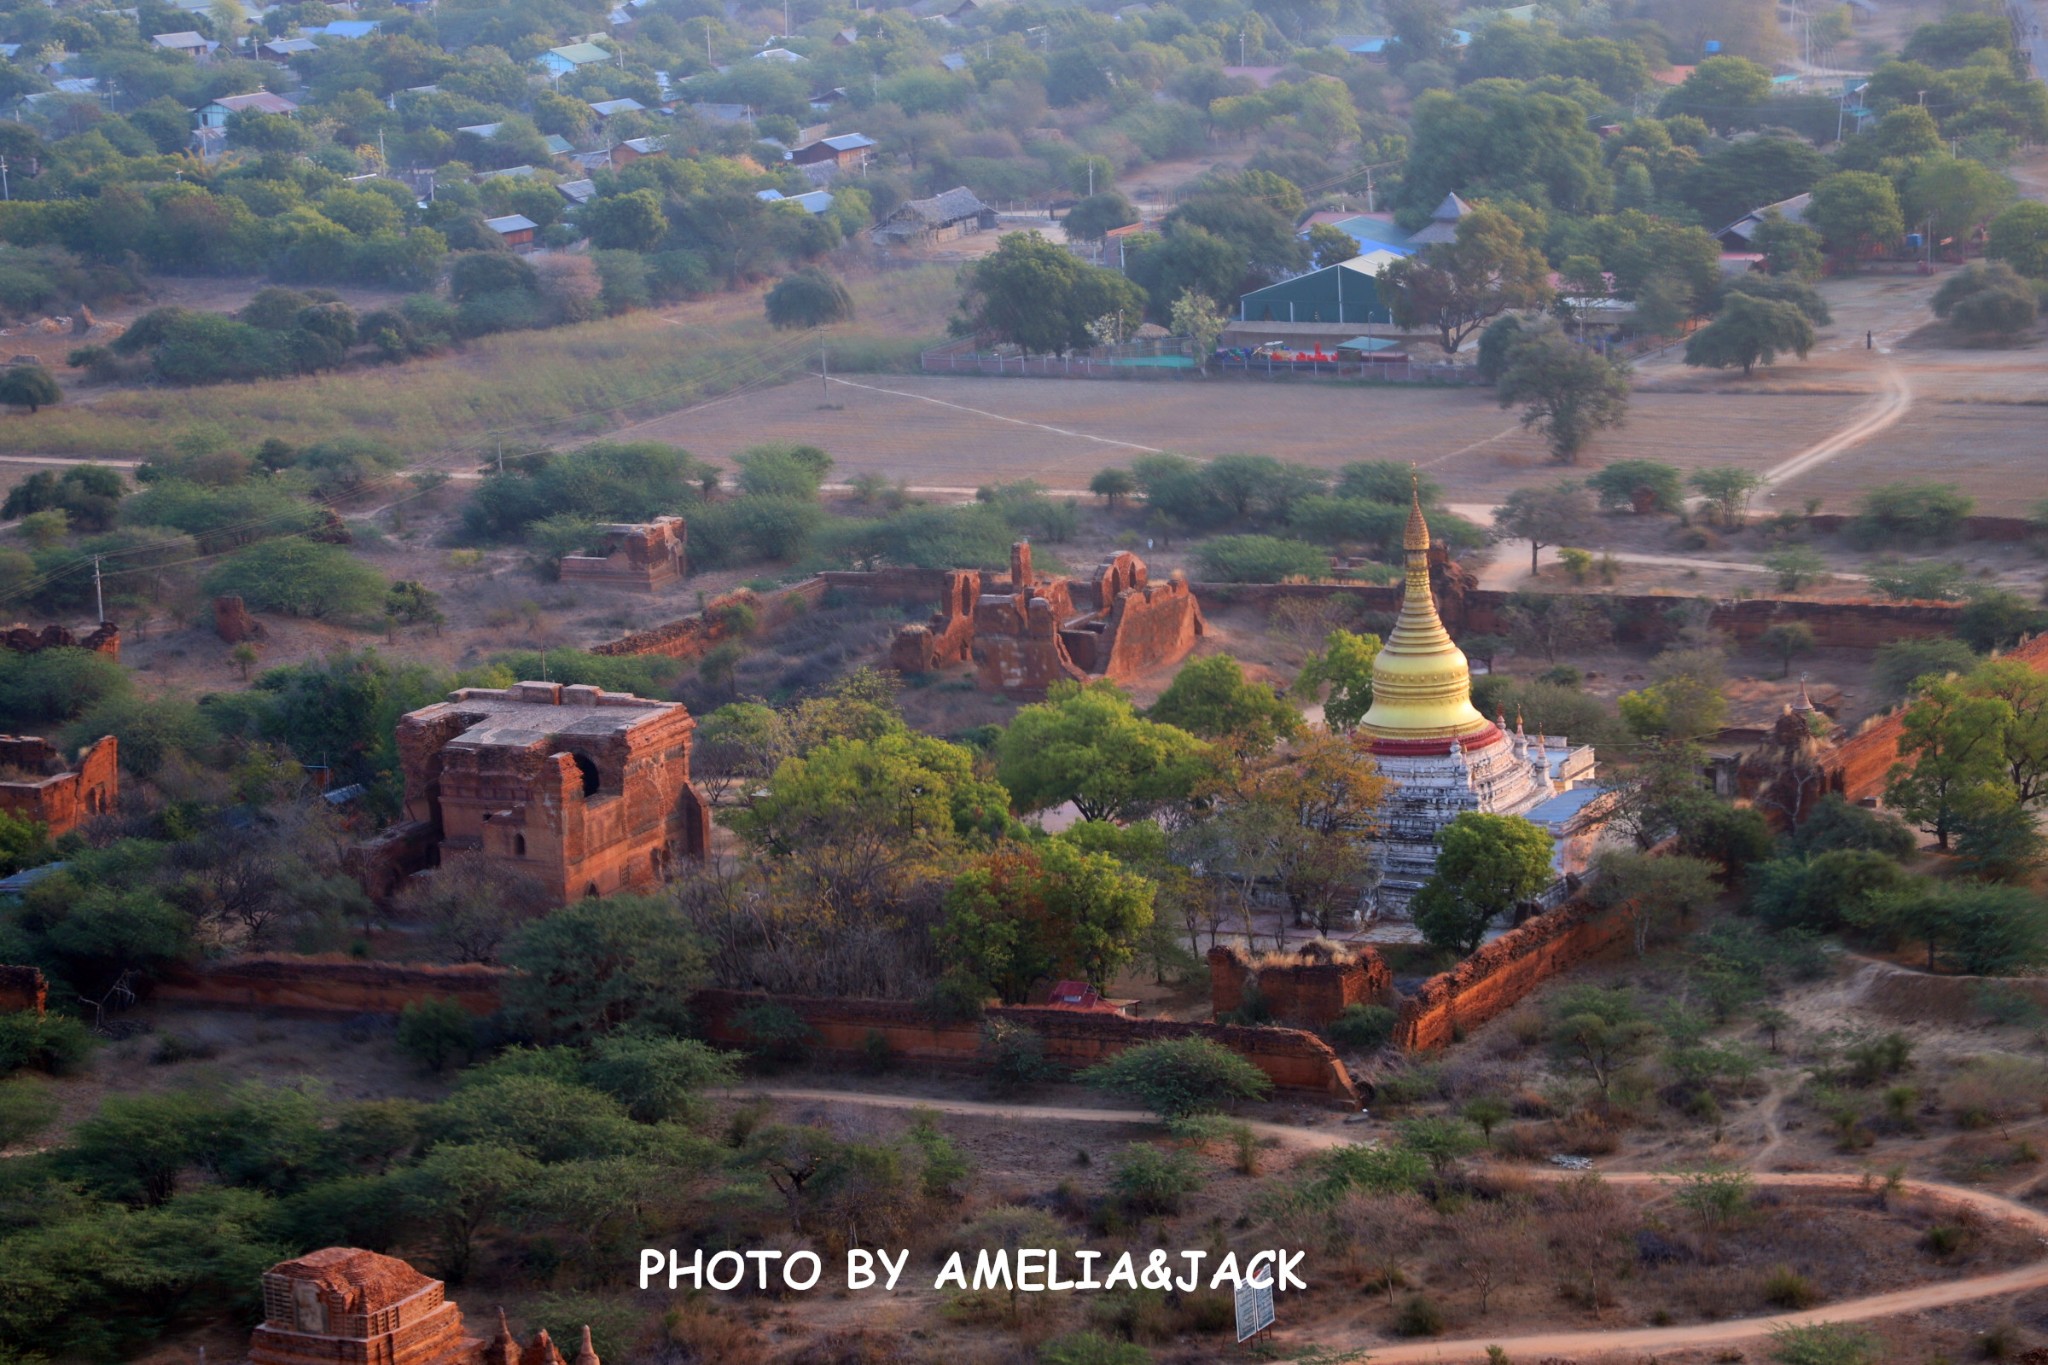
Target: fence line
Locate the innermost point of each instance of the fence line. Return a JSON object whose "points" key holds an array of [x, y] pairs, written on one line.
{"points": [[946, 361]]}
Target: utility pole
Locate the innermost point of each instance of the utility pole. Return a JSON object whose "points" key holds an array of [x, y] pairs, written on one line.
{"points": [[1923, 99], [5, 194], [825, 373], [98, 597]]}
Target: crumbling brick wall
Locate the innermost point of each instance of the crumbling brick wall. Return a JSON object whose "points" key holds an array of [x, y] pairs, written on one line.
{"points": [[106, 639], [22, 988], [646, 556], [327, 985], [1307, 989], [1503, 973], [694, 635], [64, 796], [948, 638], [1298, 1063]]}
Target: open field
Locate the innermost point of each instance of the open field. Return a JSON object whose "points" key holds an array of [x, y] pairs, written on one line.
{"points": [[518, 387], [946, 432]]}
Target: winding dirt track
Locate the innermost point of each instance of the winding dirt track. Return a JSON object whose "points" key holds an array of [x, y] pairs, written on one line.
{"points": [[1941, 1295]]}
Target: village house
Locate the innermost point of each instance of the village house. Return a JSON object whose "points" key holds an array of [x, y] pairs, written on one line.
{"points": [[282, 50], [514, 229], [958, 212], [848, 151], [560, 61], [215, 113], [186, 44], [604, 109], [633, 148]]}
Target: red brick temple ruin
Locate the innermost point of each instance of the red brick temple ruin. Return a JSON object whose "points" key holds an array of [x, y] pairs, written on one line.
{"points": [[584, 790], [346, 1306], [36, 782], [1028, 632], [646, 556], [105, 639]]}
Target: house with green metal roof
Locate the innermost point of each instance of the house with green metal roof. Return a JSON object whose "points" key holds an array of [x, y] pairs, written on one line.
{"points": [[1346, 293]]}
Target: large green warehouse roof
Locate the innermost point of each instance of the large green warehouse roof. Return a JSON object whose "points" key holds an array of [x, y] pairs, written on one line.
{"points": [[1346, 292]]}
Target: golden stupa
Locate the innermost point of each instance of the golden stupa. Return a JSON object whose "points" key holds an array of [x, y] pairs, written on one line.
{"points": [[1421, 682]]}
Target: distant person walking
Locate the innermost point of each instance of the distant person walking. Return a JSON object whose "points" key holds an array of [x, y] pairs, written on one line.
{"points": [[1869, 342]]}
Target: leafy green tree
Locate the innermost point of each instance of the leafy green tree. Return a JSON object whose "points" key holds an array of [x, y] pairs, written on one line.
{"points": [[1638, 486], [1557, 515], [26, 1109], [598, 965], [1455, 288], [1598, 1031], [436, 1031], [1988, 302], [1041, 297], [1999, 619], [809, 298], [1092, 218], [1918, 580], [1023, 915], [1196, 317], [1719, 90], [1439, 1139], [297, 577], [1856, 213], [1260, 559], [1212, 699], [1329, 245], [1113, 486], [1786, 639], [461, 1191], [1782, 289], [656, 1079], [1485, 865], [1656, 890], [1824, 891], [1086, 744], [1949, 747], [2019, 238], [411, 603], [1790, 250], [29, 386], [1793, 568], [135, 1148], [1344, 665], [1180, 1077], [23, 843], [1749, 331], [1728, 490], [1568, 392], [1954, 195], [629, 221], [1902, 663], [1974, 928]]}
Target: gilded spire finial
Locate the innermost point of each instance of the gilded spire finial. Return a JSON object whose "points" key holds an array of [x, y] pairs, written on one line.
{"points": [[1421, 684]]}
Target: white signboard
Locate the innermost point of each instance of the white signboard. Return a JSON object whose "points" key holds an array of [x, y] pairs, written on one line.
{"points": [[1254, 1306]]}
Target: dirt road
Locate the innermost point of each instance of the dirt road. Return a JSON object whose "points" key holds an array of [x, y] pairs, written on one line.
{"points": [[1563, 1343]]}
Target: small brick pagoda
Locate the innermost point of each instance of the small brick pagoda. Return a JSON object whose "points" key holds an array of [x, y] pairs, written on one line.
{"points": [[346, 1306], [584, 790], [37, 783]]}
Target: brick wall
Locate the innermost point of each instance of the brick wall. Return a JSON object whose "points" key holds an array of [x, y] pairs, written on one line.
{"points": [[22, 988], [62, 800], [1299, 1063], [326, 985], [1502, 973], [694, 635], [1641, 619], [1306, 989], [106, 639]]}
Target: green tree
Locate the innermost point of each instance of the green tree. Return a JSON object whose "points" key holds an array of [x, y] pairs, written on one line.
{"points": [[1720, 91], [1041, 297], [1023, 915], [2019, 237], [1639, 486], [1786, 639], [1793, 568], [23, 843], [1598, 1031], [29, 386], [463, 1190], [808, 298], [1790, 250], [436, 1032], [1092, 218], [1088, 745], [1727, 490], [1900, 664], [1749, 331], [1988, 302], [598, 965], [411, 603], [1485, 865], [1568, 392], [1344, 665], [135, 1147], [1260, 559], [1196, 317], [1953, 195], [1211, 698], [1439, 1139], [1856, 213], [1557, 515], [1949, 747], [1179, 1077], [657, 1079], [1329, 245], [1455, 288], [297, 577], [1113, 486]]}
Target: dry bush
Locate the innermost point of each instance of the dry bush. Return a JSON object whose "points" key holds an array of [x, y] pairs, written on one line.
{"points": [[857, 1347], [1993, 1091], [698, 1331]]}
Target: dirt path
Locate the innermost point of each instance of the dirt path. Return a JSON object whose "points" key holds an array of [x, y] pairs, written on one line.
{"points": [[1894, 401], [1566, 1343]]}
